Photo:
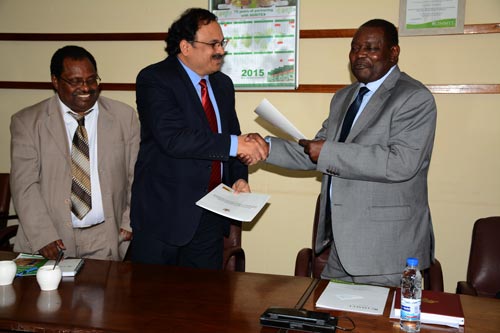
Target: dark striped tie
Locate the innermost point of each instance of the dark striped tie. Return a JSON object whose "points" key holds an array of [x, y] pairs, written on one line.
{"points": [[215, 178], [81, 199], [351, 114]]}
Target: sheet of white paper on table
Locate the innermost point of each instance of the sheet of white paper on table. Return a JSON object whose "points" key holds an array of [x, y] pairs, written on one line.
{"points": [[269, 113], [353, 297], [242, 206]]}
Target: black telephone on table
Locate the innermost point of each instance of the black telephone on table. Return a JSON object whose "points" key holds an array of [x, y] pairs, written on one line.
{"points": [[299, 319]]}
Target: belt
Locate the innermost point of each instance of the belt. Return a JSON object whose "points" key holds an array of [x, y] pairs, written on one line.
{"points": [[89, 226]]}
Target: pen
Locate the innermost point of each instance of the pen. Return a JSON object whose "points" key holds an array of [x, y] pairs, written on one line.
{"points": [[59, 257]]}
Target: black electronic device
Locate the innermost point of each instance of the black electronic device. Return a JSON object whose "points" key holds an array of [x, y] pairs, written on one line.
{"points": [[299, 319]]}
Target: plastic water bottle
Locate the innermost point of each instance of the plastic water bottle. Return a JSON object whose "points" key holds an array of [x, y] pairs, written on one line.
{"points": [[411, 296]]}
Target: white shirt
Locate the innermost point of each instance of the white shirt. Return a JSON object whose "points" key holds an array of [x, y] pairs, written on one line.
{"points": [[372, 86], [96, 214]]}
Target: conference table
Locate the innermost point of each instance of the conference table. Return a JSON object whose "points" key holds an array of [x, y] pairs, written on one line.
{"points": [[110, 296]]}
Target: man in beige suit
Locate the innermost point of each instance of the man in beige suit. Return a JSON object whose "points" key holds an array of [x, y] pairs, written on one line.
{"points": [[43, 168]]}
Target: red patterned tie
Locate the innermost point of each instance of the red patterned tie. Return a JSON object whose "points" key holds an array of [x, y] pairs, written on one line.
{"points": [[212, 121]]}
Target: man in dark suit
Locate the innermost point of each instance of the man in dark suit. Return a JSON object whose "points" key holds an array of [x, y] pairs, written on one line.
{"points": [[186, 149], [374, 203]]}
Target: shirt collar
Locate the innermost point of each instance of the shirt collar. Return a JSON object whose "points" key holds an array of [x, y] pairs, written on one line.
{"points": [[373, 86], [65, 109], [193, 76]]}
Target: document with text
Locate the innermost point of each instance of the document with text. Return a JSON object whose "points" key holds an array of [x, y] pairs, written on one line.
{"points": [[268, 112], [353, 297], [238, 206]]}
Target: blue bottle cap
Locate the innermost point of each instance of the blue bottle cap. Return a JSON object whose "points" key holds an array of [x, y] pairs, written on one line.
{"points": [[412, 262]]}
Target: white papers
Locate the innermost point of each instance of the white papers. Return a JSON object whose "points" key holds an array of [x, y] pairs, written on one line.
{"points": [[353, 297], [429, 318], [242, 206], [68, 266], [267, 111]]}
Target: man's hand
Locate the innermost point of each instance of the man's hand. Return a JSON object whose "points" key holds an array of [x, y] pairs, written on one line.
{"points": [[51, 250], [312, 148], [252, 148], [125, 235], [241, 185]]}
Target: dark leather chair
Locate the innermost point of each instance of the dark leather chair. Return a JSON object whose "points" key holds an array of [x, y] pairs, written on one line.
{"points": [[6, 235], [310, 264], [483, 270], [234, 256], [6, 232], [4, 199]]}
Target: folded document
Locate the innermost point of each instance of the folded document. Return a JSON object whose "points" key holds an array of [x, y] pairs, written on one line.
{"points": [[242, 206]]}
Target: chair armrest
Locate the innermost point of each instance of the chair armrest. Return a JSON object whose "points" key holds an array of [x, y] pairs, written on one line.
{"points": [[303, 262], [433, 277], [234, 259], [5, 235], [5, 218], [465, 288]]}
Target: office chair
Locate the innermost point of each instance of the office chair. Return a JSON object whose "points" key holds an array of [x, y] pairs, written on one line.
{"points": [[310, 264], [483, 270], [234, 255], [6, 232]]}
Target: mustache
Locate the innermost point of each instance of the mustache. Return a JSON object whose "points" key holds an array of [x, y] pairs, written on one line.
{"points": [[361, 63], [218, 56], [80, 92]]}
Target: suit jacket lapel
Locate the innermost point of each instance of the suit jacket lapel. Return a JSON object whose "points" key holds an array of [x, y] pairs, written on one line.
{"points": [[56, 127], [191, 90], [341, 115], [375, 105], [105, 122]]}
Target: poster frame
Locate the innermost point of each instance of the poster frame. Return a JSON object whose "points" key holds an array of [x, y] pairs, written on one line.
{"points": [[405, 30], [212, 4]]}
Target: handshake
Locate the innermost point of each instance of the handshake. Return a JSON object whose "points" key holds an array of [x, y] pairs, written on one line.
{"points": [[252, 148]]}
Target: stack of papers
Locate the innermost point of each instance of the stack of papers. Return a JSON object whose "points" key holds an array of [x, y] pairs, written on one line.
{"points": [[28, 264], [436, 308], [353, 297], [68, 266]]}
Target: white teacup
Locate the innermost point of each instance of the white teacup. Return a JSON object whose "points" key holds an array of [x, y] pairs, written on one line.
{"points": [[7, 272], [48, 277]]}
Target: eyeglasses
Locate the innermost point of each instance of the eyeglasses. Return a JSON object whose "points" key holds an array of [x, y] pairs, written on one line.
{"points": [[214, 45], [77, 83]]}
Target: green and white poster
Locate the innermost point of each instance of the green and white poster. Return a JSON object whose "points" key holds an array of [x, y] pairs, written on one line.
{"points": [[263, 42], [431, 17]]}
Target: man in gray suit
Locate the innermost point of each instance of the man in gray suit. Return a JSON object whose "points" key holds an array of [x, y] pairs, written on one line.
{"points": [[44, 186], [378, 211]]}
